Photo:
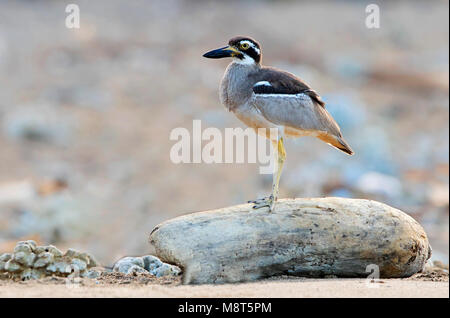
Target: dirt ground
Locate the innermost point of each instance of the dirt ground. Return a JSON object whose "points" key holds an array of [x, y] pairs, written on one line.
{"points": [[433, 284], [86, 114]]}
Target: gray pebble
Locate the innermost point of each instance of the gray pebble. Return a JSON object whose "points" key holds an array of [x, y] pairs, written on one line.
{"points": [[23, 247], [32, 244], [12, 266], [56, 252], [32, 273], [32, 262], [85, 257], [166, 270], [50, 249], [59, 267], [151, 262], [91, 261], [79, 264], [124, 264], [5, 257], [70, 253], [44, 259], [91, 274], [25, 258], [136, 269]]}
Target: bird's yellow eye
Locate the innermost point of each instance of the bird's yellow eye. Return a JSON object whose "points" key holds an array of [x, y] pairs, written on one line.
{"points": [[244, 46]]}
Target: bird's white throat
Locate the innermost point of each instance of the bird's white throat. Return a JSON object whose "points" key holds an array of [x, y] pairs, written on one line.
{"points": [[247, 60]]}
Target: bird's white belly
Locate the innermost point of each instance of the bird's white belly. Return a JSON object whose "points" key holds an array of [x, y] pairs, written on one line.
{"points": [[250, 116]]}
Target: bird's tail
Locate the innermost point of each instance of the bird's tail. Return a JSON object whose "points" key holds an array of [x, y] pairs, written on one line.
{"points": [[337, 142]]}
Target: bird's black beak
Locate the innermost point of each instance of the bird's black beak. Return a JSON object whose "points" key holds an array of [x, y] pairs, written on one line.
{"points": [[227, 51]]}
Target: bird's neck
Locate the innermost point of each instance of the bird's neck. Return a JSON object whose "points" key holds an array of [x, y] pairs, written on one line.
{"points": [[241, 70], [235, 86], [247, 61]]}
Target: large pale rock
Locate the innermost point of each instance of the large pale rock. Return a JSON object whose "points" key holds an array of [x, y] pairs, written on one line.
{"points": [[304, 237]]}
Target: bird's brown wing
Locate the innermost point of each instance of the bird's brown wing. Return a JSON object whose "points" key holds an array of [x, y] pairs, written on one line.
{"points": [[295, 110], [282, 82], [285, 100]]}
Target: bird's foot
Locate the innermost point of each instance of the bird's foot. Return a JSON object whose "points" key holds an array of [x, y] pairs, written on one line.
{"points": [[264, 202]]}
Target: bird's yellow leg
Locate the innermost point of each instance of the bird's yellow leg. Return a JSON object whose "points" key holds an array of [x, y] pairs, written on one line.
{"points": [[280, 156]]}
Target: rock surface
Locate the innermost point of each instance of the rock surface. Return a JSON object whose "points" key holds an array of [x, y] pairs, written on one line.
{"points": [[30, 261], [145, 264], [303, 237]]}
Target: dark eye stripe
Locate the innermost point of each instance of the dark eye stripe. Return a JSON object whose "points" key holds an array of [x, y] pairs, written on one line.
{"points": [[253, 54]]}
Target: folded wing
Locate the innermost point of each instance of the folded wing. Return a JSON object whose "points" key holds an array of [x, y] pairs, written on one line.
{"points": [[285, 100]]}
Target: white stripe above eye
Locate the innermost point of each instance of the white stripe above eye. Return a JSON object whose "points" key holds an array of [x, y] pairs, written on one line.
{"points": [[262, 83], [252, 45]]}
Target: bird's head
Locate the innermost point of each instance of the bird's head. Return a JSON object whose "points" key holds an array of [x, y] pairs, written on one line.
{"points": [[242, 49]]}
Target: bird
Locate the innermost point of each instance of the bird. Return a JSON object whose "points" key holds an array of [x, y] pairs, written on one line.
{"points": [[270, 98]]}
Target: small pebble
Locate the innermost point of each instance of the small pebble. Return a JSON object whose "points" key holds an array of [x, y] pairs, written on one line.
{"points": [[166, 270], [5, 257], [12, 266], [151, 262], [25, 258], [79, 264], [124, 264], [136, 269], [43, 260]]}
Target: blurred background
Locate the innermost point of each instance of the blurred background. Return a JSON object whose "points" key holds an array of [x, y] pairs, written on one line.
{"points": [[85, 114]]}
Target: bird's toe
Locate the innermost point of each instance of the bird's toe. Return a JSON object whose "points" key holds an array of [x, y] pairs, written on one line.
{"points": [[264, 202]]}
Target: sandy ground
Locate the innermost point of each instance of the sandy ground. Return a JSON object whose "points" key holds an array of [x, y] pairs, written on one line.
{"points": [[86, 115], [311, 288], [283, 287]]}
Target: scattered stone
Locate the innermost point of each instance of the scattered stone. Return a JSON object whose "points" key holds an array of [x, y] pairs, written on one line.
{"points": [[12, 266], [23, 247], [50, 249], [146, 264], [32, 273], [25, 258], [59, 267], [136, 269], [94, 272], [151, 262], [30, 261], [79, 264], [3, 259], [166, 270], [124, 264], [91, 260], [44, 259]]}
